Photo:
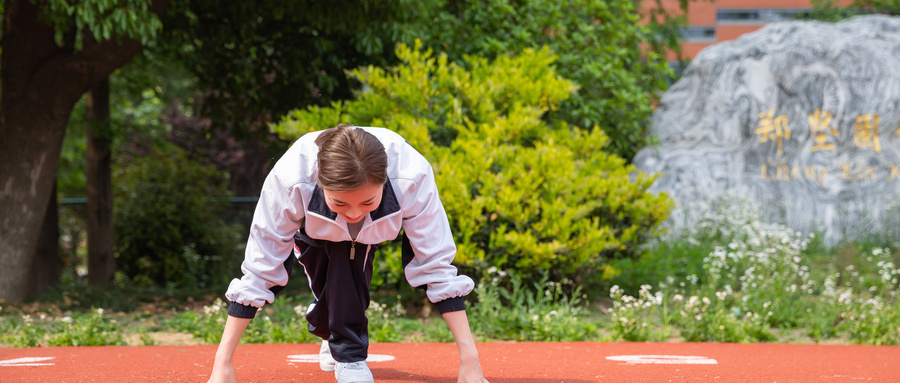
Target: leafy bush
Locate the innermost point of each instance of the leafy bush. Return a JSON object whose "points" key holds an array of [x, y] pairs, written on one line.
{"points": [[521, 194], [169, 230]]}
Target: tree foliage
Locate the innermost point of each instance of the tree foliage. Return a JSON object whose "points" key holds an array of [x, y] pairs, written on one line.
{"points": [[830, 10], [618, 63], [257, 60], [521, 194], [102, 19]]}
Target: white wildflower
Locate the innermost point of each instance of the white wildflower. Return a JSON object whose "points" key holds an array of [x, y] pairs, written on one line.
{"points": [[211, 310], [615, 290], [692, 301], [658, 298]]}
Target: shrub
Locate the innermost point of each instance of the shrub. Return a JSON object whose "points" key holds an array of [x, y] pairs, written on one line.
{"points": [[521, 194], [169, 230]]}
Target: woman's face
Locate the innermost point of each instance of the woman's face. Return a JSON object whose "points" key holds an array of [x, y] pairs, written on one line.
{"points": [[353, 205]]}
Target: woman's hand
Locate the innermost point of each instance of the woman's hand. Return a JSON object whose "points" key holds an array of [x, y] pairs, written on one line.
{"points": [[223, 367], [469, 366], [470, 372], [222, 373]]}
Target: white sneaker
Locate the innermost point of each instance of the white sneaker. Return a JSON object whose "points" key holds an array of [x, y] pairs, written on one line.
{"points": [[326, 361], [356, 372]]}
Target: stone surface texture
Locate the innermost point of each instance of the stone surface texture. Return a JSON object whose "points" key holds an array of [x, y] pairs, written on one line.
{"points": [[800, 117]]}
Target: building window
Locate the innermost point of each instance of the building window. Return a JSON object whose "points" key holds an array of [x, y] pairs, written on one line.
{"points": [[758, 16], [697, 33]]}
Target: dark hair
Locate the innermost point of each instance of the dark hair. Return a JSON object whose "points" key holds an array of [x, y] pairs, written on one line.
{"points": [[350, 158]]}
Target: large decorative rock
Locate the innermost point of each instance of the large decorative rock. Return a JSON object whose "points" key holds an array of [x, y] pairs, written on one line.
{"points": [[802, 117]]}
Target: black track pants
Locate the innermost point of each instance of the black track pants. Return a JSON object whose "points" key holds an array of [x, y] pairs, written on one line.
{"points": [[341, 289]]}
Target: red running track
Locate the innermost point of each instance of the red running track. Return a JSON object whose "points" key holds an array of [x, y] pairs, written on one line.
{"points": [[502, 362]]}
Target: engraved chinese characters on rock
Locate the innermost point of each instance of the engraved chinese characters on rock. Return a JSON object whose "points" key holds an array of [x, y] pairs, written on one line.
{"points": [[824, 135], [790, 118]]}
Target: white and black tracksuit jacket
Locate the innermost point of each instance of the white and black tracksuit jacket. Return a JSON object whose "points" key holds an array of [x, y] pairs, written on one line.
{"points": [[292, 218]]}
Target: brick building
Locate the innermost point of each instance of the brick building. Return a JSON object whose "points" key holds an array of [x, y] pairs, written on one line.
{"points": [[722, 20]]}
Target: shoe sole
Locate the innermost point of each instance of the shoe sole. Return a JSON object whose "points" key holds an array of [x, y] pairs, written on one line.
{"points": [[355, 381]]}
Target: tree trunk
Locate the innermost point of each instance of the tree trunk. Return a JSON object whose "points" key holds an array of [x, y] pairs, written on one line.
{"points": [[40, 84], [33, 116], [28, 158], [101, 262], [46, 268]]}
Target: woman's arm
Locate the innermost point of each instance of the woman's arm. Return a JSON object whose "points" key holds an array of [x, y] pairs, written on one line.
{"points": [[469, 365], [223, 369]]}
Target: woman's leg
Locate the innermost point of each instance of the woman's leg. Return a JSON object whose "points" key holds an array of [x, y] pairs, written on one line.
{"points": [[341, 289]]}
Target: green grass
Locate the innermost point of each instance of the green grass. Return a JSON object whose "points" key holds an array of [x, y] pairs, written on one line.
{"points": [[539, 314]]}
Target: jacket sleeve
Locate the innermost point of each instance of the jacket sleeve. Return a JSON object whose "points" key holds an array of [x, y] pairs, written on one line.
{"points": [[278, 216], [427, 228]]}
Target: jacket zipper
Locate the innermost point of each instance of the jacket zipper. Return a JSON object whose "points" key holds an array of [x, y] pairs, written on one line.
{"points": [[353, 250]]}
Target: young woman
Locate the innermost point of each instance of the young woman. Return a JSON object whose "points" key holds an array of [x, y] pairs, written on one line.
{"points": [[329, 201]]}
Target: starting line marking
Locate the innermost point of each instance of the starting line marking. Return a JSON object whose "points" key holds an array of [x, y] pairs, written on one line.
{"points": [[314, 358], [26, 362], [662, 359]]}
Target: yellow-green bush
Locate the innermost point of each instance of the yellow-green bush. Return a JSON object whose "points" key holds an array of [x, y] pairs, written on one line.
{"points": [[521, 195]]}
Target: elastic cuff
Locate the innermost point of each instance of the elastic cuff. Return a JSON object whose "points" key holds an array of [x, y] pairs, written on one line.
{"points": [[242, 311], [451, 304]]}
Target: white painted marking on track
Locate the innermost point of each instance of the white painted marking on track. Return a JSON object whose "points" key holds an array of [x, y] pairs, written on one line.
{"points": [[32, 361], [314, 358], [662, 359]]}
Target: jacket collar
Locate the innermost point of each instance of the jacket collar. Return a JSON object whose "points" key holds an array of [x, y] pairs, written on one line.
{"points": [[389, 204]]}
